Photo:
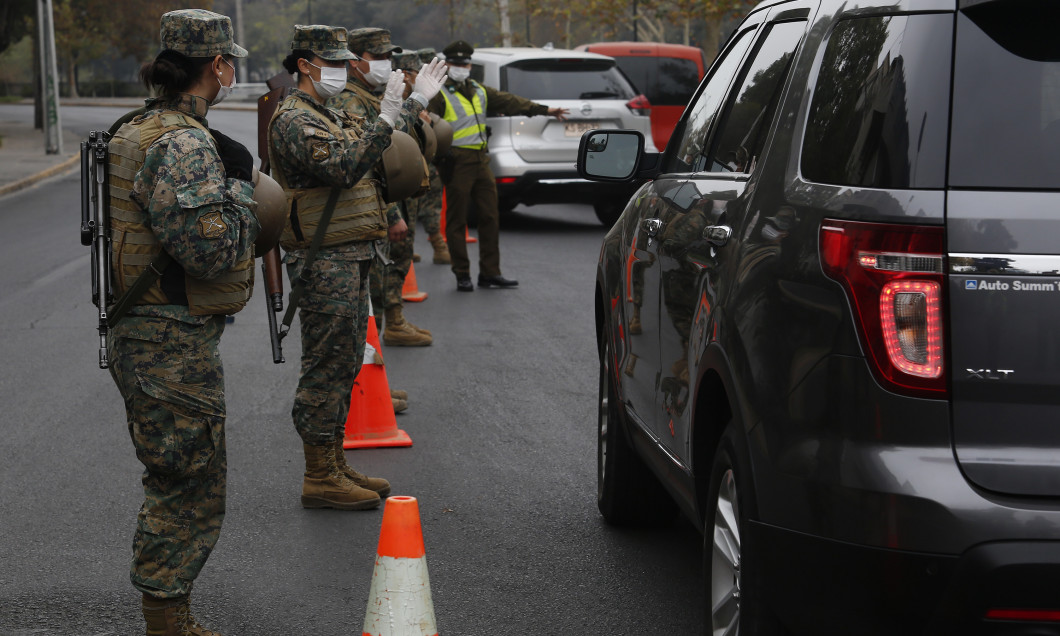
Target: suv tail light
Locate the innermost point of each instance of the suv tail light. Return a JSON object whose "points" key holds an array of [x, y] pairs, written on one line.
{"points": [[893, 276], [639, 105]]}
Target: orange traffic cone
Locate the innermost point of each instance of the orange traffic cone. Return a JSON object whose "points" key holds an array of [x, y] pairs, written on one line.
{"points": [[410, 292], [399, 603], [371, 422], [467, 235]]}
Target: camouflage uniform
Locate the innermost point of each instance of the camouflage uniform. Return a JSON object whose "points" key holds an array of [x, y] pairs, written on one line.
{"points": [[165, 361], [334, 308], [361, 100], [426, 209]]}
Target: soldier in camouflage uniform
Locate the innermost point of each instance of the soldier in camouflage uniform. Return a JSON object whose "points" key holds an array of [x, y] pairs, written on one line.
{"points": [[426, 209], [361, 98], [315, 152], [182, 190]]}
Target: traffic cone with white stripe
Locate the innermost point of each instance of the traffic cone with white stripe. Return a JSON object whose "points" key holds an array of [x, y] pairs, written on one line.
{"points": [[399, 603]]}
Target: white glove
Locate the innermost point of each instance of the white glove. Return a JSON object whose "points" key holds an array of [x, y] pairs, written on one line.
{"points": [[430, 79], [390, 106]]}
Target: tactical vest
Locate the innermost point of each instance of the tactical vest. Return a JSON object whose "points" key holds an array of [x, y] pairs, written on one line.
{"points": [[359, 215], [467, 116], [134, 246]]}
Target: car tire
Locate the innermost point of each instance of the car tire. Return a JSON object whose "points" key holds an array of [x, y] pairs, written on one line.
{"points": [[627, 493], [733, 595], [609, 211]]}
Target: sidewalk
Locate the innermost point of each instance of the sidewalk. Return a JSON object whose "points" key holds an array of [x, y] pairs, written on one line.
{"points": [[23, 161]]}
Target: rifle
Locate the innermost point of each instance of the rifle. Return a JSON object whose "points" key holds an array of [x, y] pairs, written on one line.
{"points": [[280, 86], [95, 230]]}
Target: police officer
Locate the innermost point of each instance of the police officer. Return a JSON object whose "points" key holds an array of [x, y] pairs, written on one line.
{"points": [[180, 204], [426, 209], [368, 75], [319, 155], [465, 104]]}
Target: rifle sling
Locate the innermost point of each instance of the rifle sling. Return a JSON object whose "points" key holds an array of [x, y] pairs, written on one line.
{"points": [[146, 278], [298, 285]]}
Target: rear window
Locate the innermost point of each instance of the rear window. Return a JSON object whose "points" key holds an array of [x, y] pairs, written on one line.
{"points": [[565, 79], [879, 112], [665, 81], [1006, 98]]}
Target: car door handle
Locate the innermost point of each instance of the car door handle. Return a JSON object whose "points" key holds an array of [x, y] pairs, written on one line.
{"points": [[717, 235], [652, 226]]}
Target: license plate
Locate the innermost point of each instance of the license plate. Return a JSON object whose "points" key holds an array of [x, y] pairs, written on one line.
{"points": [[578, 128]]}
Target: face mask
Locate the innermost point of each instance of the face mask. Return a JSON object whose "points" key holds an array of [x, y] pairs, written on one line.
{"points": [[224, 91], [378, 72], [459, 74], [332, 81]]}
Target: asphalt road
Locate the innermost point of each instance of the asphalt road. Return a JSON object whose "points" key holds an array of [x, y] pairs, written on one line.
{"points": [[502, 414]]}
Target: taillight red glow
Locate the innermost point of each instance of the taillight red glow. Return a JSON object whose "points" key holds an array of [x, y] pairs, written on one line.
{"points": [[506, 180], [1000, 614], [639, 105], [893, 275]]}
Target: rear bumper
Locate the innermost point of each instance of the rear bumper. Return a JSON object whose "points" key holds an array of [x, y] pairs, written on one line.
{"points": [[819, 587], [535, 188]]}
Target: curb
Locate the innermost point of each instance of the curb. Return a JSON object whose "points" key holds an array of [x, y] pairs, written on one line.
{"points": [[26, 182]]}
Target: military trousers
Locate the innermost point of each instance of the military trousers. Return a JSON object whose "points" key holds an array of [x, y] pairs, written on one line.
{"points": [[472, 186], [387, 281], [169, 374], [429, 206], [333, 315]]}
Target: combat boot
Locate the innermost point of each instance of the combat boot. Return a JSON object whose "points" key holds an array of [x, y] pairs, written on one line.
{"points": [[378, 485], [634, 321], [401, 333], [441, 250], [325, 486], [172, 617], [400, 406]]}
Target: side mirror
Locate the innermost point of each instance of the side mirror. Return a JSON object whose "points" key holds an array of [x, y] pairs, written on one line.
{"points": [[610, 155]]}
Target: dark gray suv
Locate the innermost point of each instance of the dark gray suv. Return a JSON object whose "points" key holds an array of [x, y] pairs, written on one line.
{"points": [[828, 323]]}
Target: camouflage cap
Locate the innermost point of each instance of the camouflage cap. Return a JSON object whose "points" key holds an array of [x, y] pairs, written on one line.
{"points": [[458, 52], [427, 54], [372, 40], [408, 61], [199, 33], [327, 42]]}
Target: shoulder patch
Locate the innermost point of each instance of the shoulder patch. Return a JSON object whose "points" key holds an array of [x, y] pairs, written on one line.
{"points": [[321, 150], [211, 225]]}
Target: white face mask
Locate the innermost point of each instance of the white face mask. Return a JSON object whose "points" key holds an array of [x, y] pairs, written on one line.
{"points": [[332, 80], [378, 72], [224, 91], [459, 74]]}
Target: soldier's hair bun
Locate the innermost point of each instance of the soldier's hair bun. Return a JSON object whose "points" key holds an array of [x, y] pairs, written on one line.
{"points": [[290, 63], [171, 72]]}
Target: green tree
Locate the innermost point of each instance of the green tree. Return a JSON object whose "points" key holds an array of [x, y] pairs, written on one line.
{"points": [[16, 18]]}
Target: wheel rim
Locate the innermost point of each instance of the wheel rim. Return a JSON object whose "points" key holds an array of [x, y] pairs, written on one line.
{"points": [[601, 422], [725, 561]]}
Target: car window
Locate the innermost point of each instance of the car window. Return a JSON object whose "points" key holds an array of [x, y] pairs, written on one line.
{"points": [[1006, 99], [665, 81], [743, 134], [691, 152], [569, 78], [879, 115]]}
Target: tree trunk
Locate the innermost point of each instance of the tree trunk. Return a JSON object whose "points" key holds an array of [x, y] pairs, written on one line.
{"points": [[71, 77], [566, 44], [711, 40], [688, 29], [506, 23]]}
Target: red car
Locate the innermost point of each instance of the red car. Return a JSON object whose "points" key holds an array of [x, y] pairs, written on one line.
{"points": [[667, 74]]}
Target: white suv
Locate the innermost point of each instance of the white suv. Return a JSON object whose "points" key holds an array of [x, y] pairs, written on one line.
{"points": [[533, 158]]}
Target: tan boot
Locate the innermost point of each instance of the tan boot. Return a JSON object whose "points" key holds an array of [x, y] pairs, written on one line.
{"points": [[634, 321], [325, 486], [376, 484], [415, 258], [399, 405], [401, 333], [399, 394], [172, 617], [441, 250]]}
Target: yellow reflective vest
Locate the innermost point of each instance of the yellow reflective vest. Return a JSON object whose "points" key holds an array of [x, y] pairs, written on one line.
{"points": [[467, 116]]}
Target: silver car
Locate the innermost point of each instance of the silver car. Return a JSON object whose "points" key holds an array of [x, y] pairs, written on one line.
{"points": [[533, 157]]}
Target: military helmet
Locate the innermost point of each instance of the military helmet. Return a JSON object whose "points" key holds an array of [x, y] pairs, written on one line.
{"points": [[271, 211], [372, 40], [403, 168], [198, 33], [427, 54], [326, 42], [430, 142], [443, 133]]}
